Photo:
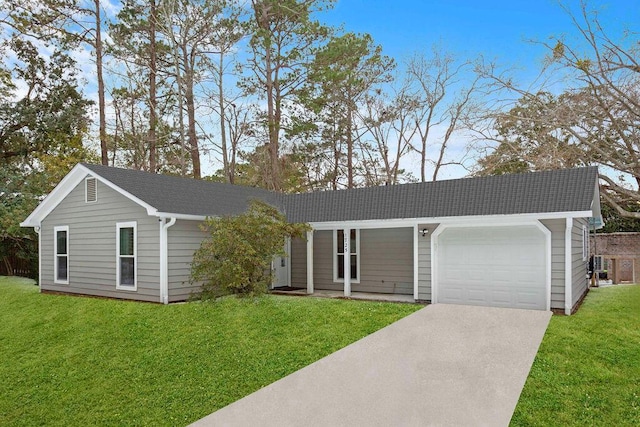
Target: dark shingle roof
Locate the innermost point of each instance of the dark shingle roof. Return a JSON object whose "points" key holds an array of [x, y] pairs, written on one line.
{"points": [[567, 190], [184, 195]]}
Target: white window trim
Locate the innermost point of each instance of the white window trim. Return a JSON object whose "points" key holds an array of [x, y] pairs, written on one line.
{"points": [[86, 193], [334, 255], [585, 243], [134, 225], [55, 254]]}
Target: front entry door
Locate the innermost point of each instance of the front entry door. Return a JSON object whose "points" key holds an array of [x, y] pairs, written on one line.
{"points": [[280, 267]]}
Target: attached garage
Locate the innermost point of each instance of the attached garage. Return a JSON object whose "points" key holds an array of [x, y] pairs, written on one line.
{"points": [[499, 266]]}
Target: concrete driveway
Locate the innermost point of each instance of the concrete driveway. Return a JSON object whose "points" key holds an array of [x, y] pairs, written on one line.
{"points": [[444, 365]]}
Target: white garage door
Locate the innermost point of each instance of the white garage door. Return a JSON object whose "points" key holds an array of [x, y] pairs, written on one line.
{"points": [[492, 266]]}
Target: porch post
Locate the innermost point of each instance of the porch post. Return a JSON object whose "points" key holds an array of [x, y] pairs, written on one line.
{"points": [[347, 262], [416, 256], [310, 262]]}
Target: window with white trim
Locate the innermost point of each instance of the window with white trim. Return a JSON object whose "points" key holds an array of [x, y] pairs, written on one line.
{"points": [[126, 256], [585, 243], [90, 190], [61, 255], [354, 252]]}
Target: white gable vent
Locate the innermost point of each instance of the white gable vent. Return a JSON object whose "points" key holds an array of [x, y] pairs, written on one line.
{"points": [[91, 190]]}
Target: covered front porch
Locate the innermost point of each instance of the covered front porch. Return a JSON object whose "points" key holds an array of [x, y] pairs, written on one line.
{"points": [[373, 262]]}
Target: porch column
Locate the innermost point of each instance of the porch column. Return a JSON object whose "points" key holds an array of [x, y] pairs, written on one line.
{"points": [[310, 262], [416, 270], [347, 262]]}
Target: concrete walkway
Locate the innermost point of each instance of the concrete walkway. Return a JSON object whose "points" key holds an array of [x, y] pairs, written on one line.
{"points": [[445, 365]]}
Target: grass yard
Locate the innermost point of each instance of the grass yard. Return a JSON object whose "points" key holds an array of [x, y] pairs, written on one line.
{"points": [[82, 361], [587, 371]]}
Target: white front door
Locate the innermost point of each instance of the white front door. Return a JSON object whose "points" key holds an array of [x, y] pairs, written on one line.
{"points": [[280, 265]]}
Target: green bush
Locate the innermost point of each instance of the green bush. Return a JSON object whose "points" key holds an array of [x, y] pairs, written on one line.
{"points": [[236, 257]]}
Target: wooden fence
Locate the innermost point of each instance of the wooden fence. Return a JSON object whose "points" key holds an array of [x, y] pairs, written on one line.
{"points": [[14, 266]]}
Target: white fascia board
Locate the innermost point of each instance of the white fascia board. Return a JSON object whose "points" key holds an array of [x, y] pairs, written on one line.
{"points": [[187, 217], [471, 220], [151, 211], [64, 187]]}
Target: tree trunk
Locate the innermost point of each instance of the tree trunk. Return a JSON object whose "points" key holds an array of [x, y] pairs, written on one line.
{"points": [[152, 88], [349, 135], [191, 128], [223, 129], [192, 136], [101, 102]]}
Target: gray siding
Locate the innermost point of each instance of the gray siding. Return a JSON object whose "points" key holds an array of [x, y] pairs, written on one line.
{"points": [[424, 262], [323, 261], [557, 228], [386, 261], [92, 245], [299, 263], [184, 238], [579, 282]]}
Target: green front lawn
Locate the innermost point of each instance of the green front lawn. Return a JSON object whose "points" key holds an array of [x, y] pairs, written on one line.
{"points": [[587, 371], [81, 361]]}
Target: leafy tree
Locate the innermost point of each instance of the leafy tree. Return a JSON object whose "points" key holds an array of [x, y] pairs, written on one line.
{"points": [[236, 257], [67, 23], [41, 132], [134, 40], [528, 139], [193, 30], [342, 74], [285, 36]]}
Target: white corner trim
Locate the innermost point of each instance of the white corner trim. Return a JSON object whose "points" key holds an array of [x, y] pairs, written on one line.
{"points": [[547, 260], [434, 262], [164, 259], [568, 282], [134, 225]]}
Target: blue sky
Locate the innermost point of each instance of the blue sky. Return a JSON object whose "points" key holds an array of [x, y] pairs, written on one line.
{"points": [[501, 31], [498, 29]]}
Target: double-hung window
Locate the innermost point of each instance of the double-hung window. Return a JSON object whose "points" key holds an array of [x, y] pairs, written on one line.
{"points": [[126, 253], [354, 254], [61, 255]]}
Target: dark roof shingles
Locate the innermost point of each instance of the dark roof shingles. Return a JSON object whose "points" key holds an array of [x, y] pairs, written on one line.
{"points": [[551, 191], [567, 190], [184, 195]]}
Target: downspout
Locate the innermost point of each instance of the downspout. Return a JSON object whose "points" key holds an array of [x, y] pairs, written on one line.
{"points": [[164, 258], [568, 278], [37, 229]]}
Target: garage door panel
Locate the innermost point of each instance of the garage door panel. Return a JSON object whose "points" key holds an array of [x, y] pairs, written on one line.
{"points": [[494, 266]]}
